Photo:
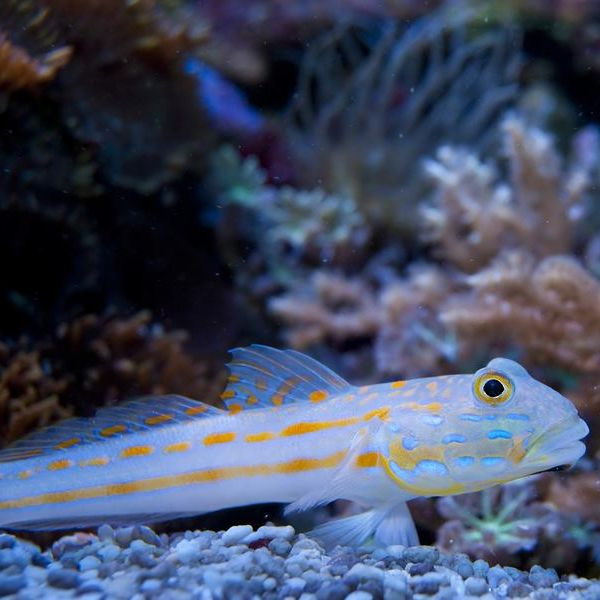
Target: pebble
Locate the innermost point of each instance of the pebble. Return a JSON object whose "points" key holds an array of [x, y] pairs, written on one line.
{"points": [[234, 535], [138, 564], [359, 595], [497, 575], [361, 572], [64, 579], [89, 562], [541, 578], [476, 586], [11, 584]]}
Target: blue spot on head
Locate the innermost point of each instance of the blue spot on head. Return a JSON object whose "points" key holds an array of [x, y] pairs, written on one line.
{"points": [[454, 438], [517, 417], [432, 467], [495, 434], [469, 417], [492, 461], [401, 474], [464, 461], [434, 420], [409, 443]]}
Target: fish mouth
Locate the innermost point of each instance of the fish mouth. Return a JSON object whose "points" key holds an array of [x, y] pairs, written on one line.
{"points": [[559, 446]]}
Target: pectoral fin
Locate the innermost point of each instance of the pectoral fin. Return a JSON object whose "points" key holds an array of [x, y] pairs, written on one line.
{"points": [[345, 483], [386, 525]]}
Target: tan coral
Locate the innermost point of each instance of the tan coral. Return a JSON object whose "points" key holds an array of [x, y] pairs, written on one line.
{"points": [[474, 215], [29, 396], [95, 361], [550, 310], [330, 307]]}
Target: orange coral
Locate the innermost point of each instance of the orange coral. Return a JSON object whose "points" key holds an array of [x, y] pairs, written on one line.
{"points": [[94, 361], [20, 70], [29, 397], [29, 53]]}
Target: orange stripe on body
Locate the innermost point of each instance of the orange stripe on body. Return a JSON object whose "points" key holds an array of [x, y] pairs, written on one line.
{"points": [[298, 465]]}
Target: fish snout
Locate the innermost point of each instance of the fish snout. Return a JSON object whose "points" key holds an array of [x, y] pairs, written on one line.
{"points": [[559, 446]]}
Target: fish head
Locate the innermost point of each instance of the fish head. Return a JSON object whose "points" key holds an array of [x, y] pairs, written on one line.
{"points": [[494, 426]]}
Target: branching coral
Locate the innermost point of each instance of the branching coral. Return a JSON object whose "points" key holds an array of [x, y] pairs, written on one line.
{"points": [[292, 229], [29, 396], [550, 310], [399, 318], [473, 216], [367, 112], [92, 362]]}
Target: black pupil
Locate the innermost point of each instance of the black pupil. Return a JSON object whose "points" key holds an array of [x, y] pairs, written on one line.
{"points": [[493, 388]]}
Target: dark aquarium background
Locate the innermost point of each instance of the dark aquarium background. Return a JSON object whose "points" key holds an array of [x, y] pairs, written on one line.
{"points": [[399, 188]]}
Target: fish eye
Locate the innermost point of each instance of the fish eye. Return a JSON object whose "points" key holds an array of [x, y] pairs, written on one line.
{"points": [[493, 388]]}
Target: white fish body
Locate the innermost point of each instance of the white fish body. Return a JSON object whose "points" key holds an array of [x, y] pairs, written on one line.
{"points": [[294, 432]]}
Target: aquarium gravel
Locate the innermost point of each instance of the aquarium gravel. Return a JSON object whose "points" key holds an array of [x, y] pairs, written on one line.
{"points": [[271, 562]]}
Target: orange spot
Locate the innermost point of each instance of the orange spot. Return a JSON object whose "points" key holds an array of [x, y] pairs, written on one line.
{"points": [[94, 462], [219, 438], [227, 394], [308, 427], [397, 384], [349, 397], [251, 400], [432, 386], [114, 430], [260, 437], [178, 447], [261, 385], [410, 391], [25, 474], [368, 459], [433, 407], [235, 408], [517, 453], [137, 451], [195, 410], [379, 413], [277, 399], [318, 396], [233, 378], [58, 465], [68, 443], [158, 419]]}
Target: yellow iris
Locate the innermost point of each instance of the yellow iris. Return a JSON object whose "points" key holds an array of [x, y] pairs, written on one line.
{"points": [[493, 388]]}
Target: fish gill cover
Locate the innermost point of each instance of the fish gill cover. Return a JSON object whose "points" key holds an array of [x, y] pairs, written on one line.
{"points": [[399, 189]]}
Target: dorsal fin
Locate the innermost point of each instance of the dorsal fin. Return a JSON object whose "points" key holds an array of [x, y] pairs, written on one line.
{"points": [[136, 415], [262, 376]]}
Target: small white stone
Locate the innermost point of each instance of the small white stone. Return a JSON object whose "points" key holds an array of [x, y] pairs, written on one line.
{"points": [[236, 534], [89, 562]]}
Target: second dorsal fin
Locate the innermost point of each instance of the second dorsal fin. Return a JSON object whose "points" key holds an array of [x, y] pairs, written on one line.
{"points": [[108, 423], [262, 376]]}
